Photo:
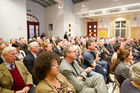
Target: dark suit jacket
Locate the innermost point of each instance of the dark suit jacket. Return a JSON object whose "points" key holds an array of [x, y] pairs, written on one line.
{"points": [[110, 48], [59, 52], [1, 60], [66, 36], [29, 63]]}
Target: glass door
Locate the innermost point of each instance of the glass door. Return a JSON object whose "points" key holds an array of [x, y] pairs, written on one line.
{"points": [[33, 29]]}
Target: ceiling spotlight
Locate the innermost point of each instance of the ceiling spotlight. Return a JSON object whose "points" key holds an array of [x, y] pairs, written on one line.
{"points": [[123, 8], [104, 11], [83, 5], [60, 6]]}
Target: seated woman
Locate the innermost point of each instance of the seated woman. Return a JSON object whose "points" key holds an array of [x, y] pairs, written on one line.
{"points": [[132, 84], [20, 53], [46, 69], [47, 46], [114, 59], [122, 69]]}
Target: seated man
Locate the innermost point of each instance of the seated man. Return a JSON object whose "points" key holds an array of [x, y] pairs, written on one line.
{"points": [[78, 76], [58, 49], [29, 59], [14, 77], [91, 59]]}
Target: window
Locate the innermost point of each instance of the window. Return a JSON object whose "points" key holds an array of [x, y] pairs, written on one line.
{"points": [[120, 28]]}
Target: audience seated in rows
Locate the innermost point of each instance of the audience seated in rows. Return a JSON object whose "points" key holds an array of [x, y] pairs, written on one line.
{"points": [[79, 43]]}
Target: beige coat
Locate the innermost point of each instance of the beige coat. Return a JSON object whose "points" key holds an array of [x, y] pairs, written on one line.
{"points": [[46, 87], [6, 80]]}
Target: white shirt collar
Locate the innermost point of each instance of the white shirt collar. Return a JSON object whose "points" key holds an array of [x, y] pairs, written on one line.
{"points": [[34, 55], [8, 65]]}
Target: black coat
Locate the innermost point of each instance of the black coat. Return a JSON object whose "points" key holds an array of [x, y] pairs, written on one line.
{"points": [[29, 63], [59, 52], [1, 60]]}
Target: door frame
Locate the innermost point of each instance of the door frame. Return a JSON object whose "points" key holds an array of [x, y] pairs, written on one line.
{"points": [[35, 23], [92, 29]]}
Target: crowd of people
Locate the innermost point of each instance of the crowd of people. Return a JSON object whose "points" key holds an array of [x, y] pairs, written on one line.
{"points": [[70, 65]]}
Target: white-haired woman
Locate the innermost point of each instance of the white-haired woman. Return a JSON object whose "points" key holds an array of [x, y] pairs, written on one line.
{"points": [[132, 84]]}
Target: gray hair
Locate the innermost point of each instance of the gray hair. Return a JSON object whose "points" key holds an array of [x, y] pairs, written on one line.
{"points": [[7, 50], [32, 44], [68, 49], [135, 72]]}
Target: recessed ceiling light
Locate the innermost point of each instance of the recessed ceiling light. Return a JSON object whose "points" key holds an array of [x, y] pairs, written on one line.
{"points": [[123, 8], [104, 11]]}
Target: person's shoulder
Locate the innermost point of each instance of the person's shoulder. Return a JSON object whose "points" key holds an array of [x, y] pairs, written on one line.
{"points": [[29, 56], [60, 76], [22, 51], [2, 65], [121, 66], [86, 52], [127, 87], [43, 87], [64, 65], [126, 81], [20, 65]]}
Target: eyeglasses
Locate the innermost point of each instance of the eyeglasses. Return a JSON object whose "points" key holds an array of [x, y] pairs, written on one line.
{"points": [[54, 65], [13, 54], [73, 51]]}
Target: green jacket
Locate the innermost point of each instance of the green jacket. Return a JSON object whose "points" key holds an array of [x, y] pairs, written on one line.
{"points": [[6, 80]]}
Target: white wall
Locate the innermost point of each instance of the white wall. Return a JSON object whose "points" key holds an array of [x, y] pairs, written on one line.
{"points": [[61, 18], [77, 24], [37, 11], [55, 16], [13, 19], [135, 20]]}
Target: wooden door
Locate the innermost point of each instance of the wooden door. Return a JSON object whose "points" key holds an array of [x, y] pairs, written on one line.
{"points": [[92, 29], [33, 29]]}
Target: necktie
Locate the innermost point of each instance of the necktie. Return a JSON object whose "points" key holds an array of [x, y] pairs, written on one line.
{"points": [[12, 67], [74, 67]]}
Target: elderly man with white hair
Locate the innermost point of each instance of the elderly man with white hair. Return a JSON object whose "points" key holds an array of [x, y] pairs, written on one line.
{"points": [[29, 59], [132, 84], [14, 77]]}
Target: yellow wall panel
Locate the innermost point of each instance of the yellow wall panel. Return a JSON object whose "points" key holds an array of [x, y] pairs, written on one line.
{"points": [[135, 32], [102, 32]]}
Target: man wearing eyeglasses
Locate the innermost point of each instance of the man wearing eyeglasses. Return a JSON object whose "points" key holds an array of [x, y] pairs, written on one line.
{"points": [[77, 76], [14, 77]]}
